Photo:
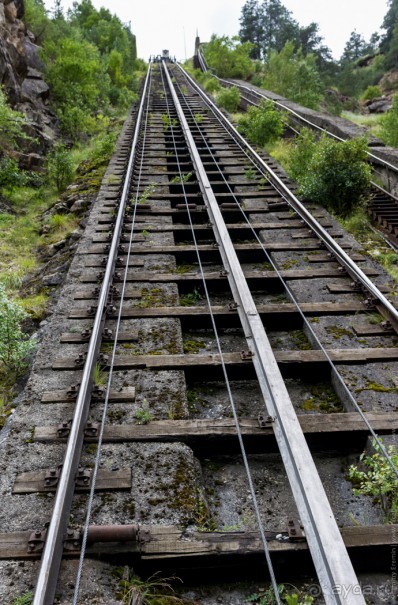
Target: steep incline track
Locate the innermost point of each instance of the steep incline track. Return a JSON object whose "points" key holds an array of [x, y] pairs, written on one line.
{"points": [[219, 349]]}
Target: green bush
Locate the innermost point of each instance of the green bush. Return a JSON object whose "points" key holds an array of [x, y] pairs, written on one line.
{"points": [[295, 76], [14, 345], [262, 124], [389, 124], [60, 167], [211, 84], [332, 173], [229, 98], [372, 92], [376, 478], [228, 57]]}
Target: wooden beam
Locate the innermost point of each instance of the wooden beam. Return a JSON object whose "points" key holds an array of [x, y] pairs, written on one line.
{"points": [[29, 483], [181, 361], [199, 434], [173, 543]]}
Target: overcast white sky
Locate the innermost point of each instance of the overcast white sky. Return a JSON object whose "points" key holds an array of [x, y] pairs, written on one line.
{"points": [[160, 24]]}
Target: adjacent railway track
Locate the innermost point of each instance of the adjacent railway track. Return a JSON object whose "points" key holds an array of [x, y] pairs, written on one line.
{"points": [[382, 206], [212, 377]]}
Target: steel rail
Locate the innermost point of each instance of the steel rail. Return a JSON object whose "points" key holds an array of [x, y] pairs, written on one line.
{"points": [[111, 366], [343, 258], [53, 548], [329, 554], [295, 113], [226, 377], [292, 297]]}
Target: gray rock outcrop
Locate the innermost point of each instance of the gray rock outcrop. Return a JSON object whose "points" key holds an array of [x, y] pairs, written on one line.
{"points": [[21, 75]]}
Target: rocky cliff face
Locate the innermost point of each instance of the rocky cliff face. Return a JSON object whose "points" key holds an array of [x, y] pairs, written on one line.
{"points": [[22, 78]]}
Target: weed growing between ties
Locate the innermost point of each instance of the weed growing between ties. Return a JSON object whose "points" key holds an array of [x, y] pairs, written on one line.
{"points": [[267, 597], [153, 591], [375, 477]]}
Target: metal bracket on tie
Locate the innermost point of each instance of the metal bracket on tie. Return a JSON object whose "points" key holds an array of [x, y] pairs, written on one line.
{"points": [[96, 291], [103, 359], [386, 325], [232, 306], [246, 355], [115, 292], [356, 286], [107, 247], [370, 302], [265, 421], [119, 262], [85, 334], [107, 333], [104, 261], [110, 310], [295, 530], [223, 273], [72, 540], [91, 310], [91, 429], [63, 429], [342, 270], [79, 360], [98, 392], [73, 391], [52, 476], [37, 540], [100, 276], [83, 477]]}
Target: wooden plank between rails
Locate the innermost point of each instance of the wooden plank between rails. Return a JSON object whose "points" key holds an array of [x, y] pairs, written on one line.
{"points": [[199, 430], [181, 361], [271, 310], [64, 396], [29, 483], [169, 542]]}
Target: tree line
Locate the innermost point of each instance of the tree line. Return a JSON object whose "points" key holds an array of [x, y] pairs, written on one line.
{"points": [[275, 51]]}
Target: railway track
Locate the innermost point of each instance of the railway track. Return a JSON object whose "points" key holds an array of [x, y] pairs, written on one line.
{"points": [[382, 205], [218, 359]]}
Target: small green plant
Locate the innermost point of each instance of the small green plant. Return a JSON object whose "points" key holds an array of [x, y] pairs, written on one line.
{"points": [[376, 478], [153, 591], [250, 173], [60, 167], [100, 377], [183, 178], [229, 98], [265, 598], [372, 92], [143, 415], [190, 299], [26, 599], [14, 344], [168, 122], [146, 194], [198, 117], [263, 124]]}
